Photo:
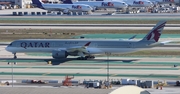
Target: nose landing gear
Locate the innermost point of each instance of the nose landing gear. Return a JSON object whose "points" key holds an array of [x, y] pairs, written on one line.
{"points": [[15, 57]]}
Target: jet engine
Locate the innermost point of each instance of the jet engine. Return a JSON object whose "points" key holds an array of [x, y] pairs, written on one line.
{"points": [[59, 54], [66, 11]]}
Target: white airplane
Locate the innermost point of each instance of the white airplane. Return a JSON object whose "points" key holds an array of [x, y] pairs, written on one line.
{"points": [[165, 1], [100, 4], [136, 3], [65, 8], [86, 48]]}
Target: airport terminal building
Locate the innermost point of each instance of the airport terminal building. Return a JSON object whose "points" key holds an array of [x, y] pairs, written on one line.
{"points": [[13, 4]]}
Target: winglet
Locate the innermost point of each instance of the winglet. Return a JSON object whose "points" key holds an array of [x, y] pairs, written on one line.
{"points": [[155, 33], [87, 44]]}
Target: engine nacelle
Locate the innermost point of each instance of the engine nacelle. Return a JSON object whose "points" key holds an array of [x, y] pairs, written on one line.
{"points": [[59, 54], [66, 11]]}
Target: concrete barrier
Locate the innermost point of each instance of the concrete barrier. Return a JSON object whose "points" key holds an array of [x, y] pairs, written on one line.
{"points": [[38, 13], [32, 13], [14, 13], [44, 13], [25, 13], [20, 13]]}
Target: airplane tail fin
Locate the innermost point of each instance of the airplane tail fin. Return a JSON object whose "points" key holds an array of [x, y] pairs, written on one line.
{"points": [[155, 33], [67, 2], [38, 3]]}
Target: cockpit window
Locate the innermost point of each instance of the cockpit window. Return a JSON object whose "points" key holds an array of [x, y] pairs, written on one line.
{"points": [[10, 44], [123, 3]]}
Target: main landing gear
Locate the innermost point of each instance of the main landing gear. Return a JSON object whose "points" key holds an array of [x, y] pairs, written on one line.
{"points": [[86, 57], [15, 56]]}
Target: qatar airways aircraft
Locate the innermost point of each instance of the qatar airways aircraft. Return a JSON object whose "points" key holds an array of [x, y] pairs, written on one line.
{"points": [[86, 48], [65, 8]]}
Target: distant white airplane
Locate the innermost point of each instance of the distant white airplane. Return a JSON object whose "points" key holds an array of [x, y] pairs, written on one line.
{"points": [[100, 4], [136, 3], [165, 1], [65, 8], [86, 48]]}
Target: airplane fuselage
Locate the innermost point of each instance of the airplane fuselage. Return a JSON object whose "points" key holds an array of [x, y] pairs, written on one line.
{"points": [[136, 3], [96, 46], [166, 1], [103, 4], [70, 7]]}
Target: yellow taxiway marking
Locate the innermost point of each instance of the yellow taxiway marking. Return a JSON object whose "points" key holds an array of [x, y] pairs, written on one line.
{"points": [[28, 67], [114, 74], [102, 68], [135, 62], [46, 73]]}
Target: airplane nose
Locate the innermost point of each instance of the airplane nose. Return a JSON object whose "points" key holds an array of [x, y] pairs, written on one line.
{"points": [[7, 48]]}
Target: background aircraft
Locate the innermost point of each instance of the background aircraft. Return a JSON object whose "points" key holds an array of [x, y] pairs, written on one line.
{"points": [[136, 3], [86, 48], [65, 8], [165, 1], [100, 4]]}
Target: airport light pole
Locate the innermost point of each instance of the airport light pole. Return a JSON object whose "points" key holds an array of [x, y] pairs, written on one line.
{"points": [[12, 73], [107, 53]]}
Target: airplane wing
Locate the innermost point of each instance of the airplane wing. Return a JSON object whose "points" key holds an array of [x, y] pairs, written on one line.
{"points": [[79, 49], [159, 43], [132, 37]]}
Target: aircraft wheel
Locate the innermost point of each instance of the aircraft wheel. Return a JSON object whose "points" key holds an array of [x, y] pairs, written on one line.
{"points": [[85, 58], [81, 13], [78, 58], [15, 57], [15, 63], [93, 56]]}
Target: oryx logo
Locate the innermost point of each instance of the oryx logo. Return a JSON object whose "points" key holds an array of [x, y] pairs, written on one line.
{"points": [[76, 7], [156, 33], [168, 0], [138, 2], [107, 4]]}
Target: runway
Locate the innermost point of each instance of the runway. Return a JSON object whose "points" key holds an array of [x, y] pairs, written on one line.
{"points": [[88, 28], [86, 25], [35, 67]]}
